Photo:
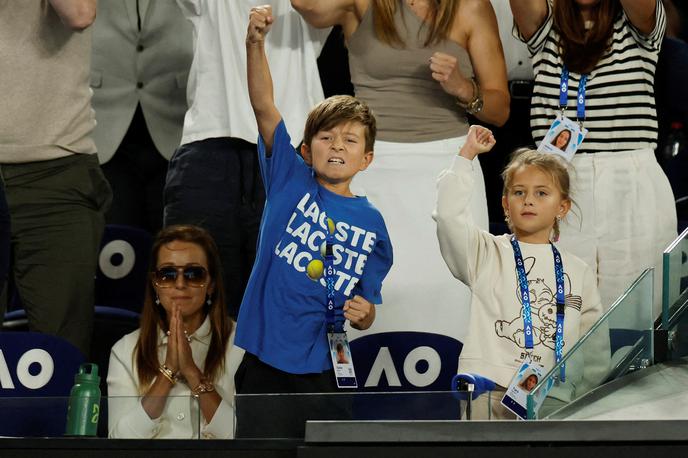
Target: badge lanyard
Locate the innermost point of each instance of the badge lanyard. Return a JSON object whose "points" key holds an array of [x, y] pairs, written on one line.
{"points": [[525, 299], [336, 336], [564, 95], [334, 323]]}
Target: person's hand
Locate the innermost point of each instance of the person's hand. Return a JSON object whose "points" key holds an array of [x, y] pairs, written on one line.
{"points": [[172, 357], [479, 140], [187, 366], [259, 23], [359, 312], [445, 70]]}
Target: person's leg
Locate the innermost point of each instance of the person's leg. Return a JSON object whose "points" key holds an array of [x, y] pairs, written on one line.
{"points": [[205, 187], [57, 210], [252, 203], [283, 415], [137, 176], [5, 236], [156, 171], [639, 222], [580, 228]]}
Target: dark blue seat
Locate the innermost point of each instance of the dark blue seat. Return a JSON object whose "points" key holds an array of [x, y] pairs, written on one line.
{"points": [[36, 375], [122, 267]]}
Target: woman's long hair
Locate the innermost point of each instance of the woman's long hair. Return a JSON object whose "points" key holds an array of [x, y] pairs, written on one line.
{"points": [[154, 317], [582, 49], [441, 18]]}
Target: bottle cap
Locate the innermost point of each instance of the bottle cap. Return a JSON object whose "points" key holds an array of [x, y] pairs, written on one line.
{"points": [[88, 372]]}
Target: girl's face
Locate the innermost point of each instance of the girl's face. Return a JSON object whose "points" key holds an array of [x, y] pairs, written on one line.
{"points": [[531, 381], [562, 139], [182, 280], [533, 201]]}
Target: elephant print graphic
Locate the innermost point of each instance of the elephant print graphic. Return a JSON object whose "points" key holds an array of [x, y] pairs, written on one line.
{"points": [[543, 306]]}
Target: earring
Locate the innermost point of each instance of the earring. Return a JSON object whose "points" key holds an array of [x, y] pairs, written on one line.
{"points": [[507, 218], [157, 300], [558, 218], [208, 300]]}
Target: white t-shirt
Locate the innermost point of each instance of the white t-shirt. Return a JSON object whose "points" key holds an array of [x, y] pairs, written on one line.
{"points": [[495, 345], [217, 89]]}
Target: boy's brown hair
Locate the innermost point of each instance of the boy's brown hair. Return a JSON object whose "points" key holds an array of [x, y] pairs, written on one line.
{"points": [[340, 109]]}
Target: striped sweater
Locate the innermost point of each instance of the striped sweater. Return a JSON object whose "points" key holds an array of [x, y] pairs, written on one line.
{"points": [[620, 101]]}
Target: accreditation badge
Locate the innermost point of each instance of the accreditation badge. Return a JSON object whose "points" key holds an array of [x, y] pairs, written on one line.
{"points": [[522, 384], [343, 364], [563, 138]]}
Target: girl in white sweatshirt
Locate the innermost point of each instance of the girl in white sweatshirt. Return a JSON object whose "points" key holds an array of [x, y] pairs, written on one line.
{"points": [[535, 198]]}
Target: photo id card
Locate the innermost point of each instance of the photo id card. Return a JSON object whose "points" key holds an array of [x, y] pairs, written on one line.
{"points": [[526, 378], [341, 360], [563, 138]]}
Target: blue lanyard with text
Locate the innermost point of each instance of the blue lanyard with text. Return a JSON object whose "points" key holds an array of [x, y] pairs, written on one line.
{"points": [[333, 323], [525, 299], [564, 95]]}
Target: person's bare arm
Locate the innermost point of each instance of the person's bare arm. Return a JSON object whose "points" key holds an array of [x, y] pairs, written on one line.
{"points": [[641, 13], [528, 15], [328, 13], [487, 57], [260, 89], [75, 14]]}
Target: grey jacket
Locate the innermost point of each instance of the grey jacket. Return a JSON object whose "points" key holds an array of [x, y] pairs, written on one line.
{"points": [[149, 66]]}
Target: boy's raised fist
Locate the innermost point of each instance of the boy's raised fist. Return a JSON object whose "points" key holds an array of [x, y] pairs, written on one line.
{"points": [[259, 23]]}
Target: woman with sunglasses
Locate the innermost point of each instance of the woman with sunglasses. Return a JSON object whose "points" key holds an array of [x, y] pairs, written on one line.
{"points": [[173, 375]]}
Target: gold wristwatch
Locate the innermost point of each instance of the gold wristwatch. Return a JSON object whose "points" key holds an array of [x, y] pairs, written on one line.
{"points": [[476, 103]]}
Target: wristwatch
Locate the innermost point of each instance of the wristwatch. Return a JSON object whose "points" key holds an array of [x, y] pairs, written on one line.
{"points": [[476, 104]]}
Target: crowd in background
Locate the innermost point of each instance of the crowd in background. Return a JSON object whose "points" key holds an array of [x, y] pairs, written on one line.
{"points": [[173, 141]]}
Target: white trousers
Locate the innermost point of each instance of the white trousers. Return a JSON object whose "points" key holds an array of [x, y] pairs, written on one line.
{"points": [[625, 217], [419, 294]]}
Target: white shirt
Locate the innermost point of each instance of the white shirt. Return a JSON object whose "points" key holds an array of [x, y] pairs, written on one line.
{"points": [[516, 54], [217, 94], [182, 417]]}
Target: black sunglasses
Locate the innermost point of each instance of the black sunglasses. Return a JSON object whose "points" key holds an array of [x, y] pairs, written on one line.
{"points": [[194, 276]]}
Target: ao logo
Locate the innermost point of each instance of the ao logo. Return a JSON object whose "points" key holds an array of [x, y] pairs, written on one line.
{"points": [[405, 360], [112, 251], [384, 363], [35, 356]]}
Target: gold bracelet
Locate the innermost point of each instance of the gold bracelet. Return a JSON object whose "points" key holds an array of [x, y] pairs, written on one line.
{"points": [[475, 105], [203, 387], [168, 373]]}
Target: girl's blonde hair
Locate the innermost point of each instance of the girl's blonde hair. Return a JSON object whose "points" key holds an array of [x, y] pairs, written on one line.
{"points": [[548, 163], [441, 15]]}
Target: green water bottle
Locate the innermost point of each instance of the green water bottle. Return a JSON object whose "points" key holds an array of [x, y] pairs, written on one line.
{"points": [[84, 402]]}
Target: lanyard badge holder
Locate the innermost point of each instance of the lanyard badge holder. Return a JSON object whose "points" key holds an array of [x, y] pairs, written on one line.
{"points": [[340, 352], [530, 373], [565, 136]]}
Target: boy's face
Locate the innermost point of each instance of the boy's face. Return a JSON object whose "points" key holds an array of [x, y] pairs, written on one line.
{"points": [[337, 154]]}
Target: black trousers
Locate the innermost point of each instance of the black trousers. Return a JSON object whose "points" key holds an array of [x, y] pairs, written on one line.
{"points": [[215, 183], [284, 415], [137, 176]]}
